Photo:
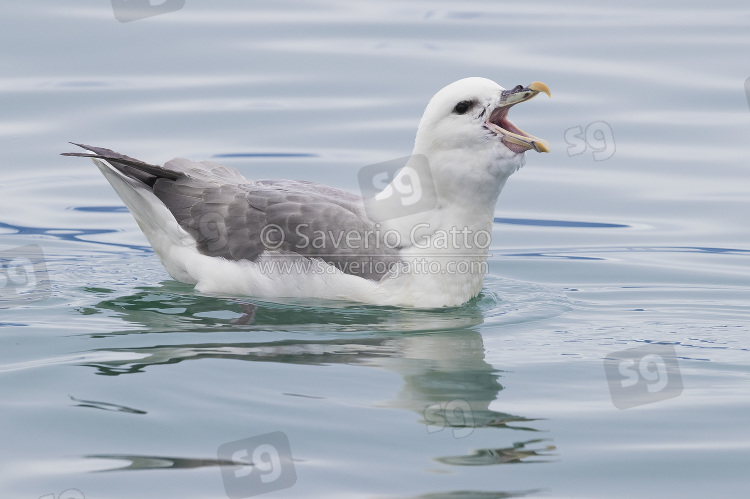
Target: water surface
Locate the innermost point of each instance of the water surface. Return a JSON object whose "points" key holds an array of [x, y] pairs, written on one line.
{"points": [[123, 383]]}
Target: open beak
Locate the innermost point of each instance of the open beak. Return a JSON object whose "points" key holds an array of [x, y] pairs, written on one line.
{"points": [[513, 137]]}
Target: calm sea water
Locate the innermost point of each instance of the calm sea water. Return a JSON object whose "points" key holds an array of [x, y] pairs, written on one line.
{"points": [[607, 356]]}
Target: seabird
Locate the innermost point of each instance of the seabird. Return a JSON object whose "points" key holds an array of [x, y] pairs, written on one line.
{"points": [[420, 242]]}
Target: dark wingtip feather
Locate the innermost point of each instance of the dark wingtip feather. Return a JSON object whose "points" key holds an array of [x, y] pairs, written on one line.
{"points": [[117, 160], [74, 153], [83, 146]]}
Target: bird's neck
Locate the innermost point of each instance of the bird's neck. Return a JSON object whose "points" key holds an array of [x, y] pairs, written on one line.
{"points": [[458, 227], [444, 249], [457, 193]]}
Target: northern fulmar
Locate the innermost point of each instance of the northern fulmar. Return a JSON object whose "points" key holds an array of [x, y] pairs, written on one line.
{"points": [[227, 234]]}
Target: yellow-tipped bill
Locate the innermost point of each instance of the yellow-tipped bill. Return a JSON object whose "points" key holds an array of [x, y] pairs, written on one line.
{"points": [[538, 86], [513, 137]]}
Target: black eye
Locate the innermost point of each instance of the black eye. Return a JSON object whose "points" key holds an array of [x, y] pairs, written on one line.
{"points": [[462, 107]]}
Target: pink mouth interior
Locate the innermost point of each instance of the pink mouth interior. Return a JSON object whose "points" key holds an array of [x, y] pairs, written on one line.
{"points": [[500, 118]]}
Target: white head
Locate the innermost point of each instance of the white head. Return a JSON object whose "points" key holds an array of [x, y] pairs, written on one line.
{"points": [[467, 138]]}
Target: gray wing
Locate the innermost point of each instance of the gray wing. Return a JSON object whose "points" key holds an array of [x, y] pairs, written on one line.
{"points": [[238, 219]]}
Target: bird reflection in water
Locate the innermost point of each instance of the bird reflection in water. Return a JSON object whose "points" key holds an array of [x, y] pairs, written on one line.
{"points": [[446, 381]]}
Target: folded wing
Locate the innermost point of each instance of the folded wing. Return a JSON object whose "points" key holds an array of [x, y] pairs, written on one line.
{"points": [[235, 218]]}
